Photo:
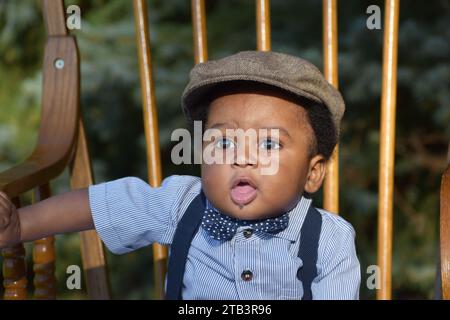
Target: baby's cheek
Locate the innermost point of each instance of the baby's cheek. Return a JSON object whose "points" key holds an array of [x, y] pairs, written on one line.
{"points": [[214, 179], [282, 192], [207, 176], [268, 163]]}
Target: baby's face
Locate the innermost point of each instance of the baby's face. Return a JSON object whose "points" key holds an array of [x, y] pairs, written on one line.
{"points": [[240, 188]]}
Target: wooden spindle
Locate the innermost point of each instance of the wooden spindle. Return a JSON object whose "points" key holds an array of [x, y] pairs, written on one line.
{"points": [[387, 147], [263, 25], [44, 269], [14, 269], [92, 250], [151, 129], [199, 31], [44, 257], [330, 61]]}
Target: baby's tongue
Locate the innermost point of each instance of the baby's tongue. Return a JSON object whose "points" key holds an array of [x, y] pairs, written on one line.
{"points": [[243, 194]]}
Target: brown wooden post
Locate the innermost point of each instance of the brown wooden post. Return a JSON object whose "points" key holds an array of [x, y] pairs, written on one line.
{"points": [[330, 62], [199, 31], [151, 129], [92, 250], [387, 147], [14, 269], [263, 25], [44, 257], [445, 234]]}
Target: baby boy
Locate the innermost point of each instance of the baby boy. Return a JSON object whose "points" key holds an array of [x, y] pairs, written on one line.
{"points": [[239, 231]]}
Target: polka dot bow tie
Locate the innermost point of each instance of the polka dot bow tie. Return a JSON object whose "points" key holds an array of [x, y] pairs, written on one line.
{"points": [[222, 227]]}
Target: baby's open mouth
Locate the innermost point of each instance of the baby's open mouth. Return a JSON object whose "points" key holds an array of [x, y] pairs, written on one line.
{"points": [[243, 191]]}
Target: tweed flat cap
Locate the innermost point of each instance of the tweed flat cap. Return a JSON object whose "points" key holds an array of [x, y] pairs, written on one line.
{"points": [[287, 72]]}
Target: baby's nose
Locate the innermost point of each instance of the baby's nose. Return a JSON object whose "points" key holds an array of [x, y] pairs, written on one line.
{"points": [[246, 154]]}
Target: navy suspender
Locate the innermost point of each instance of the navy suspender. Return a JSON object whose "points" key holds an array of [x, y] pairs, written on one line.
{"points": [[186, 230], [309, 245], [188, 227]]}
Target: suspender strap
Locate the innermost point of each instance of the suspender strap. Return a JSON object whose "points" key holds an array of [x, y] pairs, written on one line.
{"points": [[309, 245], [185, 232], [190, 223]]}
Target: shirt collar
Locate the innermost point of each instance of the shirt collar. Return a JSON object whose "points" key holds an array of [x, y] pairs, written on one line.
{"points": [[296, 217]]}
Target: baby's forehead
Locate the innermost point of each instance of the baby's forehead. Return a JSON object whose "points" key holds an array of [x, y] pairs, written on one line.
{"points": [[248, 101], [257, 110]]}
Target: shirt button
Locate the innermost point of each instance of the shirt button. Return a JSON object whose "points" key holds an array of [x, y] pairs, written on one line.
{"points": [[247, 275], [248, 233]]}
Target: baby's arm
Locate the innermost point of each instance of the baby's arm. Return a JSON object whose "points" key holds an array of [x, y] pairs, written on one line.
{"points": [[127, 213], [68, 212]]}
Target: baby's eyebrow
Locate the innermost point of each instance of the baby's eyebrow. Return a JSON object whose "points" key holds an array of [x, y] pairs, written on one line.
{"points": [[220, 125], [282, 130]]}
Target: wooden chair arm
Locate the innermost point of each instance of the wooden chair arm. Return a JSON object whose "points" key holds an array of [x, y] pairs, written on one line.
{"points": [[59, 120], [55, 149], [60, 107], [32, 173], [445, 233]]}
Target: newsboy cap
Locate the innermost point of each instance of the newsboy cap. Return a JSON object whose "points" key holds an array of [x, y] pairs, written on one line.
{"points": [[279, 70]]}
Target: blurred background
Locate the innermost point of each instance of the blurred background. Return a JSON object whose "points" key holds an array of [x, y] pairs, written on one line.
{"points": [[111, 105]]}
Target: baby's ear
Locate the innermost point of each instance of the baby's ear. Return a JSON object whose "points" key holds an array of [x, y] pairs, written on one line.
{"points": [[316, 173]]}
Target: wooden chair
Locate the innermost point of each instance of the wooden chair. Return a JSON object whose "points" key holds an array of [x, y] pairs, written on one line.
{"points": [[62, 142]]}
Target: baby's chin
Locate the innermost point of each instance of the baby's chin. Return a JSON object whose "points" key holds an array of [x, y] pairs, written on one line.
{"points": [[251, 211]]}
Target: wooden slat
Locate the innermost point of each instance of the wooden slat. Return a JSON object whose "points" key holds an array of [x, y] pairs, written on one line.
{"points": [[199, 31], [387, 147], [263, 25], [330, 61], [151, 128], [14, 269], [44, 257], [445, 233], [92, 250]]}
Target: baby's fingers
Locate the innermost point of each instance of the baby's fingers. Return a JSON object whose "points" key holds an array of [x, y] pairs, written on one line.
{"points": [[4, 222], [6, 209], [4, 201], [3, 197]]}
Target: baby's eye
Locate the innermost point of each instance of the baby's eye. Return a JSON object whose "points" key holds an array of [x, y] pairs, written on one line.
{"points": [[270, 144], [225, 143]]}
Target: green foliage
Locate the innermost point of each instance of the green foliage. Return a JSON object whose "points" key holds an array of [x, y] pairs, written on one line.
{"points": [[111, 105]]}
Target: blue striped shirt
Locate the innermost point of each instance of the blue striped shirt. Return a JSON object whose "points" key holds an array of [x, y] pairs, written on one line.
{"points": [[129, 214]]}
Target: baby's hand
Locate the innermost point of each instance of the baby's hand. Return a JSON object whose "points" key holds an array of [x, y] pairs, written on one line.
{"points": [[9, 222]]}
